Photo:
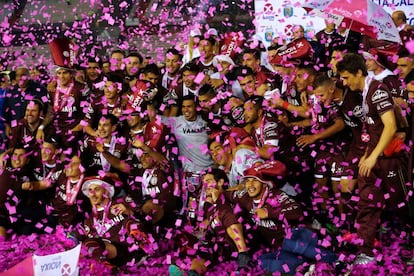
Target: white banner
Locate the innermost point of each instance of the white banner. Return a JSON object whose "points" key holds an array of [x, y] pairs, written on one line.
{"points": [[59, 264], [392, 5], [275, 19]]}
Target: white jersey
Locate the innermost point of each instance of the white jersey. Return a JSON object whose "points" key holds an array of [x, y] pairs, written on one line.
{"points": [[243, 160], [192, 139]]}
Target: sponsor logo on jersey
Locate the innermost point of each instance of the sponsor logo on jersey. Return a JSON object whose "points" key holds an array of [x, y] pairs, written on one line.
{"points": [[379, 95]]}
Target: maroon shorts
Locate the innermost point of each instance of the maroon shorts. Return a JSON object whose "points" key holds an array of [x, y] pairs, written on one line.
{"points": [[323, 163], [345, 165]]}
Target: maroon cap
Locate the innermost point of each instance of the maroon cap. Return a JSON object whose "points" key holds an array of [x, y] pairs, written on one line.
{"points": [[267, 173], [239, 136], [63, 52]]}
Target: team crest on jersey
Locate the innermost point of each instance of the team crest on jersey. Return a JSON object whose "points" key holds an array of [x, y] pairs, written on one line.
{"points": [[357, 111], [370, 121], [391, 174], [240, 193]]}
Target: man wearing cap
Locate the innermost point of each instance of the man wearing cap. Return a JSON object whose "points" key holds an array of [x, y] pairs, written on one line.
{"points": [[376, 62], [377, 66], [223, 79], [107, 228], [272, 211], [69, 97], [23, 92], [379, 127]]}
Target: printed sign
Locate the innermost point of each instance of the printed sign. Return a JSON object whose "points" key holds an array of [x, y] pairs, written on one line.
{"points": [[63, 263]]}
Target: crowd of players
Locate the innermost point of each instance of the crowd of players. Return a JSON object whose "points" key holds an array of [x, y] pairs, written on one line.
{"points": [[225, 153]]}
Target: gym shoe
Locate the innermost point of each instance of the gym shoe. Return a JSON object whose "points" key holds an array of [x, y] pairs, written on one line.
{"points": [[243, 260], [363, 259], [411, 261], [316, 225], [174, 270]]}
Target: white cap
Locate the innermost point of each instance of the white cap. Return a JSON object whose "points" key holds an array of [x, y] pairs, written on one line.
{"points": [[195, 32], [100, 182], [212, 31], [225, 58]]}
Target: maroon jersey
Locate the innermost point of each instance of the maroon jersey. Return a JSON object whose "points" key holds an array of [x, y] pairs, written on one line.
{"points": [[395, 86], [282, 211], [69, 212], [69, 106], [94, 161], [102, 223], [220, 215], [100, 107], [378, 101], [156, 185], [346, 162], [269, 131], [407, 34], [352, 114], [51, 173], [21, 134], [265, 76], [9, 181], [324, 117]]}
